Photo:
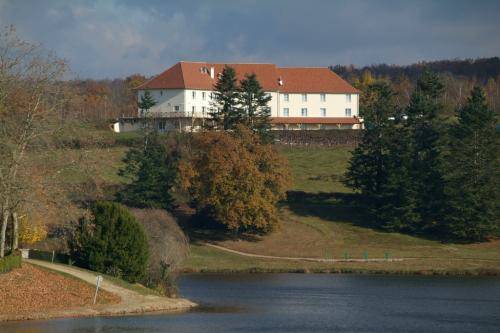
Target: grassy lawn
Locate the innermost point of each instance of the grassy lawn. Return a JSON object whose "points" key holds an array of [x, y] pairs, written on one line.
{"points": [[319, 222]]}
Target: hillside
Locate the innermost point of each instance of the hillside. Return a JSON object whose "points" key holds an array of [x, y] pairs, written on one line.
{"points": [[320, 222]]}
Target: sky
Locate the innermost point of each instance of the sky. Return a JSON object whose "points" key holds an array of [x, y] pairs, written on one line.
{"points": [[109, 39]]}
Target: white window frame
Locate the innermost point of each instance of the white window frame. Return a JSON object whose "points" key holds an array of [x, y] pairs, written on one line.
{"points": [[304, 97], [203, 110], [286, 112], [203, 95], [303, 112], [193, 94], [348, 98], [177, 108], [286, 97], [348, 112], [322, 97], [322, 112], [194, 108]]}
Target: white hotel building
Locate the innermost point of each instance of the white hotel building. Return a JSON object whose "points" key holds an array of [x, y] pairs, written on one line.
{"points": [[301, 97]]}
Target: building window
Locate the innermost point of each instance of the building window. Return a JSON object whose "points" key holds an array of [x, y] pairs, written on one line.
{"points": [[203, 109], [162, 125], [161, 92], [203, 95], [303, 126], [286, 97], [348, 112], [322, 97], [194, 109], [286, 112], [322, 111], [304, 97], [348, 98], [304, 112], [194, 94], [176, 108]]}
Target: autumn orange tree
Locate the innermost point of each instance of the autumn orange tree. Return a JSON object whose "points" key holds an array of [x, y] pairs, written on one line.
{"points": [[235, 180]]}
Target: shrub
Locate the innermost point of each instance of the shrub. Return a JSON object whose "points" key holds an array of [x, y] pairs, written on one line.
{"points": [[168, 247], [10, 262], [112, 241], [235, 180]]}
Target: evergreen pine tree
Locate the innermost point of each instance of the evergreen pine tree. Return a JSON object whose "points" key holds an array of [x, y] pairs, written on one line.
{"points": [[112, 242], [225, 114], [147, 102], [379, 165], [253, 106], [152, 172], [425, 131], [472, 179]]}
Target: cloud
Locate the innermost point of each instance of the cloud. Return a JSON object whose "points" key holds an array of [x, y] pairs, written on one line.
{"points": [[116, 38]]}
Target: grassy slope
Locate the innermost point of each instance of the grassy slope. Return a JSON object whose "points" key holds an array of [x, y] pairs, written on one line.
{"points": [[318, 224], [315, 225]]}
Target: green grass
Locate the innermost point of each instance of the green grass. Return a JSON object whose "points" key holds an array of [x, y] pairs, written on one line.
{"points": [[317, 169], [318, 221]]}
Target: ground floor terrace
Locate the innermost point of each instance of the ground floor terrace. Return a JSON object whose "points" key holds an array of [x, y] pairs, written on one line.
{"points": [[193, 124]]}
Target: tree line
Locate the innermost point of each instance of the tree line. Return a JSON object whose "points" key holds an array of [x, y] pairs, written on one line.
{"points": [[419, 174], [458, 76]]}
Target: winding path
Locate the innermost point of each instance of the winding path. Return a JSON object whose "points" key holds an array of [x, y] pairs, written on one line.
{"points": [[132, 302], [302, 258]]}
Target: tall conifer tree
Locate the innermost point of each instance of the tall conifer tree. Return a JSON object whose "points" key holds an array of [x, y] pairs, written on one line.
{"points": [[472, 172], [426, 147], [152, 172], [252, 105], [147, 102], [379, 165], [225, 114]]}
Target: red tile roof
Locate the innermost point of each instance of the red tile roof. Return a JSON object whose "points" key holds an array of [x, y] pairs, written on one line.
{"points": [[196, 75], [315, 120]]}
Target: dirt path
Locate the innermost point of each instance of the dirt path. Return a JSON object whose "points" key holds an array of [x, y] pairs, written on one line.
{"points": [[131, 302], [301, 258]]}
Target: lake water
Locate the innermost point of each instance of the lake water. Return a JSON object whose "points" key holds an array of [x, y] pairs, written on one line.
{"points": [[310, 303]]}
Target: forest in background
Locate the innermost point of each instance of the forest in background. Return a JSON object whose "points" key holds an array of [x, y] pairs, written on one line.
{"points": [[459, 76]]}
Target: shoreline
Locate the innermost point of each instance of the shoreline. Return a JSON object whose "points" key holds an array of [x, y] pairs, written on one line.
{"points": [[483, 272], [132, 302]]}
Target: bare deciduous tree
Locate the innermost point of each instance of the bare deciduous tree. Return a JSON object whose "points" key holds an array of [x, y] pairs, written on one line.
{"points": [[29, 98]]}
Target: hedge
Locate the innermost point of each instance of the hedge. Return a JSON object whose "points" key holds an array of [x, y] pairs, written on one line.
{"points": [[329, 138], [9, 262]]}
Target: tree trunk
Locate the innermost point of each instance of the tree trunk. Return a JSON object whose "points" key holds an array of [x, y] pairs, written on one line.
{"points": [[15, 233], [5, 219]]}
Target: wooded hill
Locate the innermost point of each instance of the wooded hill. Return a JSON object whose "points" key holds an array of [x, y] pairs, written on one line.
{"points": [[459, 77]]}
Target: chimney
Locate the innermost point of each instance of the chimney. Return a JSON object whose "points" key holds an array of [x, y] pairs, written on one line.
{"points": [[212, 72]]}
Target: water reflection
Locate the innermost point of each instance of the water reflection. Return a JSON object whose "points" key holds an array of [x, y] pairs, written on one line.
{"points": [[310, 303]]}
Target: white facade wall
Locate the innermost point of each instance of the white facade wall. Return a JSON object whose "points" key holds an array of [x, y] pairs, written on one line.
{"points": [[197, 105], [201, 102], [335, 105], [167, 101]]}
